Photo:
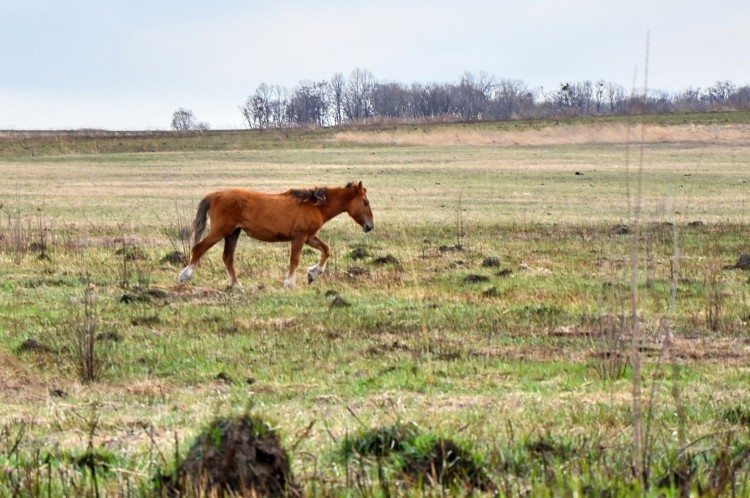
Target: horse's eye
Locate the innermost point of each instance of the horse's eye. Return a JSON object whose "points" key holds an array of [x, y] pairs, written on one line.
{"points": [[367, 203]]}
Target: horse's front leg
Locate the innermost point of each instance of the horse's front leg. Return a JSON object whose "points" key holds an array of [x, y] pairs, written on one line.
{"points": [[325, 252], [294, 262]]}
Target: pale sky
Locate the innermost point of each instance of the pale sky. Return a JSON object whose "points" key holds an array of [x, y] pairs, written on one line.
{"points": [[128, 65]]}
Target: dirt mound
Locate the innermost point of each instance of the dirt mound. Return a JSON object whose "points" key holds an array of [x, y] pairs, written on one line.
{"points": [[339, 302], [359, 253], [131, 253], [175, 258], [447, 464], [31, 345], [239, 456], [388, 259], [19, 382], [421, 458], [491, 262], [382, 440], [743, 263], [474, 279]]}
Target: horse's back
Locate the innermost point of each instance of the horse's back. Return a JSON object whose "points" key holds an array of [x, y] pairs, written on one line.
{"points": [[264, 216]]}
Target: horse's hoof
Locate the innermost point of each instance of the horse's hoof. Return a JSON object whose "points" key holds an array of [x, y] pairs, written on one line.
{"points": [[186, 274], [314, 272]]}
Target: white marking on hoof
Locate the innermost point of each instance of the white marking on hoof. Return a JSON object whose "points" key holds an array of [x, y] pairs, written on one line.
{"points": [[185, 274], [289, 283], [314, 272]]}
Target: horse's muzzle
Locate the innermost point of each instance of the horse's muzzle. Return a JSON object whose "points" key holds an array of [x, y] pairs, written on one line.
{"points": [[368, 226]]}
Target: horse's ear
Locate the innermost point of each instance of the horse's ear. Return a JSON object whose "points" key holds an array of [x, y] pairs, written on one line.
{"points": [[360, 188]]}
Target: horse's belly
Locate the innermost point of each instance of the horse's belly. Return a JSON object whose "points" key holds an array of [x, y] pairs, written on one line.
{"points": [[268, 235]]}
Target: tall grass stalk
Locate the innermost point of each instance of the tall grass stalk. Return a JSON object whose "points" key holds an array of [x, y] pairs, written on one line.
{"points": [[88, 361], [675, 366], [635, 358], [460, 220], [714, 300], [638, 443], [177, 232]]}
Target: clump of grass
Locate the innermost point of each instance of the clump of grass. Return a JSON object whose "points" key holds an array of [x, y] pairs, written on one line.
{"points": [[714, 301], [738, 415], [24, 234], [177, 232], [77, 341], [132, 259], [612, 356], [418, 457], [380, 441], [712, 471], [89, 364]]}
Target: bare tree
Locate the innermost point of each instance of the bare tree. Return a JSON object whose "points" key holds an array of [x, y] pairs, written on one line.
{"points": [[391, 100], [691, 100], [615, 95], [257, 108], [511, 97], [432, 100], [357, 104], [183, 120], [719, 94], [308, 104], [573, 99], [585, 96], [660, 101], [599, 95], [563, 98], [336, 90], [279, 103], [473, 97], [741, 98]]}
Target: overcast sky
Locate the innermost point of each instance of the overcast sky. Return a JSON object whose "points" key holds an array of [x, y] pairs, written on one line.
{"points": [[128, 65]]}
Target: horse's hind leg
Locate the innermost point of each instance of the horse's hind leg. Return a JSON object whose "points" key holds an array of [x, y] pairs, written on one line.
{"points": [[325, 252], [230, 243], [198, 251], [296, 251]]}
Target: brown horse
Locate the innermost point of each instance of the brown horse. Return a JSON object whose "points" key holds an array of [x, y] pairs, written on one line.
{"points": [[294, 216]]}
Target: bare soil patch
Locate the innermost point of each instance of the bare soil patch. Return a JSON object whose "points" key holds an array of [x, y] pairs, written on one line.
{"points": [[19, 383], [197, 295], [726, 351]]}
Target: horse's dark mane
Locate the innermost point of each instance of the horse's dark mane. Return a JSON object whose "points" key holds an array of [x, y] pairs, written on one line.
{"points": [[318, 195]]}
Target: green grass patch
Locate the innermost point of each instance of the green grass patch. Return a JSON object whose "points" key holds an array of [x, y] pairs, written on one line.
{"points": [[492, 304]]}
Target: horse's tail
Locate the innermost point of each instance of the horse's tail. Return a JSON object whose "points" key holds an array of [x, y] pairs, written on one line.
{"points": [[199, 223]]}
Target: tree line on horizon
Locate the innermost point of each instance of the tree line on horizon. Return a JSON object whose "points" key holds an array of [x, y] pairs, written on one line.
{"points": [[360, 98]]}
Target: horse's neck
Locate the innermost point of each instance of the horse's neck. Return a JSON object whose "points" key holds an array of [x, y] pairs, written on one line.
{"points": [[338, 198]]}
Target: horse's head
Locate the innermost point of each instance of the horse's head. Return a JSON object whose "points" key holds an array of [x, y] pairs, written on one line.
{"points": [[359, 207]]}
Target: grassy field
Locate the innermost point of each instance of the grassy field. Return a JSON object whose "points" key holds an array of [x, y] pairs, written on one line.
{"points": [[492, 306]]}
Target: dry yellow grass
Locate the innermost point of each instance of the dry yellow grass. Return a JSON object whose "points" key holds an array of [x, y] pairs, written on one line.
{"points": [[553, 135], [413, 176]]}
